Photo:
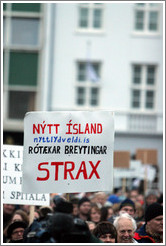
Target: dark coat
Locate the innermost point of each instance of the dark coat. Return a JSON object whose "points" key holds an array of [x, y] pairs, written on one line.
{"points": [[142, 237]]}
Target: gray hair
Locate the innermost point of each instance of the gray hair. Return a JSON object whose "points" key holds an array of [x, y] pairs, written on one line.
{"points": [[126, 216], [151, 192]]}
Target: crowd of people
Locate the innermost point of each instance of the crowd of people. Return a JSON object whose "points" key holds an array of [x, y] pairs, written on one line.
{"points": [[92, 217]]}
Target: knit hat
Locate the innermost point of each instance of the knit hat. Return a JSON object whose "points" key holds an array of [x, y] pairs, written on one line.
{"points": [[127, 202], [82, 200], [57, 199], [14, 225], [152, 211], [64, 207]]}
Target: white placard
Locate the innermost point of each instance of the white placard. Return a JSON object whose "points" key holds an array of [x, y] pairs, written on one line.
{"points": [[68, 152], [150, 170], [134, 170], [12, 179]]}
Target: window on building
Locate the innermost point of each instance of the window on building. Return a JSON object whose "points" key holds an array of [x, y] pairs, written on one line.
{"points": [[19, 102], [22, 47], [88, 84], [90, 16], [147, 17], [25, 31], [143, 87]]}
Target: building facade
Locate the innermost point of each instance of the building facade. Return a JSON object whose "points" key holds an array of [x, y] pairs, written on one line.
{"points": [[86, 56]]}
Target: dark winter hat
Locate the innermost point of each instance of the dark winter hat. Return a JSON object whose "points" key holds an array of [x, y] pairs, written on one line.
{"points": [[64, 207], [127, 202], [152, 211], [57, 199], [44, 210], [16, 224], [82, 200]]}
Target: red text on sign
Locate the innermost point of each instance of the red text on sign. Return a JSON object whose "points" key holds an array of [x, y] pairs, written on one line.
{"points": [[68, 168]]}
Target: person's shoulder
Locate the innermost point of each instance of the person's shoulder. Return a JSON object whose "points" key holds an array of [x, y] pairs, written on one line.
{"points": [[143, 238], [94, 239], [112, 218], [141, 230]]}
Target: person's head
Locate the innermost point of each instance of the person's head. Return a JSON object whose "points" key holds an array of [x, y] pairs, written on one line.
{"points": [[110, 212], [52, 199], [115, 208], [100, 198], [106, 213], [60, 224], [89, 195], [20, 215], [15, 231], [140, 199], [139, 210], [66, 229], [74, 201], [125, 226], [133, 194], [95, 214], [151, 197], [44, 211], [84, 206], [106, 232], [56, 200], [63, 206], [127, 206], [8, 208], [154, 218]]}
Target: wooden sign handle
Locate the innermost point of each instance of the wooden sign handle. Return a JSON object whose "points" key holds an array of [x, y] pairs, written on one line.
{"points": [[124, 185], [146, 173], [67, 197], [31, 214]]}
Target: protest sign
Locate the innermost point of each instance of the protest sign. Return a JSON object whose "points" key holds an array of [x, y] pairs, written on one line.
{"points": [[134, 170], [147, 156], [68, 152], [150, 172], [12, 179], [121, 159]]}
